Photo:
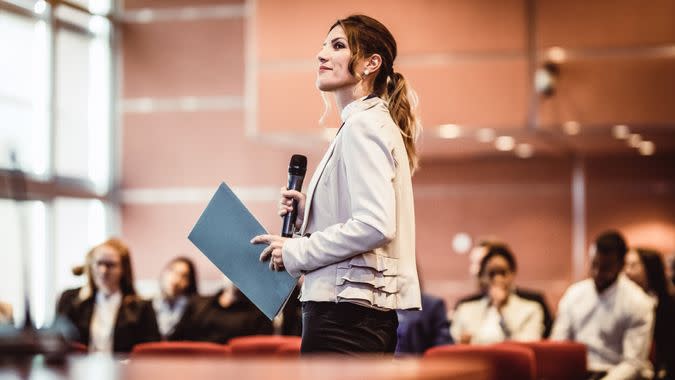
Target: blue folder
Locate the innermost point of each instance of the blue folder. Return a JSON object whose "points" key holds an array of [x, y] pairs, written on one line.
{"points": [[223, 234]]}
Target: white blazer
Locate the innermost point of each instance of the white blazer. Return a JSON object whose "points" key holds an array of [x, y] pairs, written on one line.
{"points": [[360, 214], [523, 319]]}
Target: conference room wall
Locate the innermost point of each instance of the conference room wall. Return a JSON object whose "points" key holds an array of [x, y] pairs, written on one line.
{"points": [[189, 112]]}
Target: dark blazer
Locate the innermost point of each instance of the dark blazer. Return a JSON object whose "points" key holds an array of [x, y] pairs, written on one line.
{"points": [[183, 328], [527, 294], [420, 330], [136, 322], [212, 323], [664, 337]]}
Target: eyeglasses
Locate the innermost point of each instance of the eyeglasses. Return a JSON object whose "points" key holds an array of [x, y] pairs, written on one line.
{"points": [[106, 263], [497, 272]]}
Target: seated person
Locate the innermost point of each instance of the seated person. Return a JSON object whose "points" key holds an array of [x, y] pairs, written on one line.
{"points": [[419, 330], [531, 295], [608, 313], [645, 267], [225, 315], [500, 314], [69, 296], [174, 304], [110, 317]]}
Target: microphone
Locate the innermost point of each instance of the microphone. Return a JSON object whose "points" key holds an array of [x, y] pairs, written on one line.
{"points": [[296, 174]]}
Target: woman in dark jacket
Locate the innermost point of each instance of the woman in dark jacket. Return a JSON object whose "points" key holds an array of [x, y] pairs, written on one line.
{"points": [[645, 267], [108, 315]]}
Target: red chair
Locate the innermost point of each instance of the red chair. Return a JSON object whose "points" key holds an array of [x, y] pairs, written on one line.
{"points": [[557, 360], [289, 349], [180, 349], [259, 345], [506, 362]]}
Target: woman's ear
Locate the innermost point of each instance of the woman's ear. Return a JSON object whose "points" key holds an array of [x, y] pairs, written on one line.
{"points": [[373, 63]]}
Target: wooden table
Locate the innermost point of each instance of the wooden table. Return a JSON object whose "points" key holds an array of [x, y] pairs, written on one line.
{"points": [[99, 367]]}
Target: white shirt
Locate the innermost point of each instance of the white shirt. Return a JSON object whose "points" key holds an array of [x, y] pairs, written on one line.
{"points": [[616, 326], [168, 316], [519, 320], [103, 321]]}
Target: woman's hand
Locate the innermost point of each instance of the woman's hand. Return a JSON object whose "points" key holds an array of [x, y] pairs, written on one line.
{"points": [[286, 204], [275, 243]]}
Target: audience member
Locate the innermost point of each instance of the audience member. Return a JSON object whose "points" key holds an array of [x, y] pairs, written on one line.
{"points": [[477, 253], [645, 267], [175, 302], [226, 315], [69, 296], [671, 269], [500, 314], [111, 317], [419, 330], [608, 313]]}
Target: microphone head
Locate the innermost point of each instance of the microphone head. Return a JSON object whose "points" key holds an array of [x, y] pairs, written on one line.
{"points": [[298, 165]]}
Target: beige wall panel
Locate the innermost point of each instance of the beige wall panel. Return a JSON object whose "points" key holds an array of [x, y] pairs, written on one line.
{"points": [[156, 233], [477, 93], [429, 26], [183, 58], [525, 204], [200, 149], [613, 91], [158, 4], [636, 196], [616, 23]]}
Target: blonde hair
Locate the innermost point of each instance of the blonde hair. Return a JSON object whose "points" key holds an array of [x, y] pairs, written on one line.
{"points": [[367, 36]]}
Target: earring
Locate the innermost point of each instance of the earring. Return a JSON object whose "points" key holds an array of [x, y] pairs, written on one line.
{"points": [[366, 72]]}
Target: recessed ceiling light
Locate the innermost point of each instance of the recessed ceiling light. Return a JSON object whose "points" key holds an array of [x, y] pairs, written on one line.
{"points": [[505, 143], [647, 148], [634, 140], [485, 135], [40, 7], [620, 131], [449, 131], [572, 127], [524, 150]]}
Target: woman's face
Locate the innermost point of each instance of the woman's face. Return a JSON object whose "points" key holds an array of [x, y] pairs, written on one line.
{"points": [[175, 279], [635, 270], [498, 272], [333, 71], [106, 269]]}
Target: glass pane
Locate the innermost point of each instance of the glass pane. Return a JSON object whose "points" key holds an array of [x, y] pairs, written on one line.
{"points": [[79, 224], [83, 105], [24, 238], [99, 7], [24, 91]]}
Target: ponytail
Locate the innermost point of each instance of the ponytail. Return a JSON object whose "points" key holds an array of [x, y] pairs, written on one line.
{"points": [[401, 105]]}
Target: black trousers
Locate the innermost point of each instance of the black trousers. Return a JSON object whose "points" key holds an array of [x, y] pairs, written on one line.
{"points": [[347, 328]]}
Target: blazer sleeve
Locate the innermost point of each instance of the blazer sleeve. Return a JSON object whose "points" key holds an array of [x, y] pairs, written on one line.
{"points": [[148, 330], [369, 167]]}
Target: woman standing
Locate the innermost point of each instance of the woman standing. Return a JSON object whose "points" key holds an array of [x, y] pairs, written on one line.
{"points": [[357, 220]]}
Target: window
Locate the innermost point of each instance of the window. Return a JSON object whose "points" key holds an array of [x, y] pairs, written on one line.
{"points": [[55, 101]]}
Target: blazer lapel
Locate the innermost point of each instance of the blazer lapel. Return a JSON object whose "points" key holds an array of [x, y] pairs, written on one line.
{"points": [[314, 182]]}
